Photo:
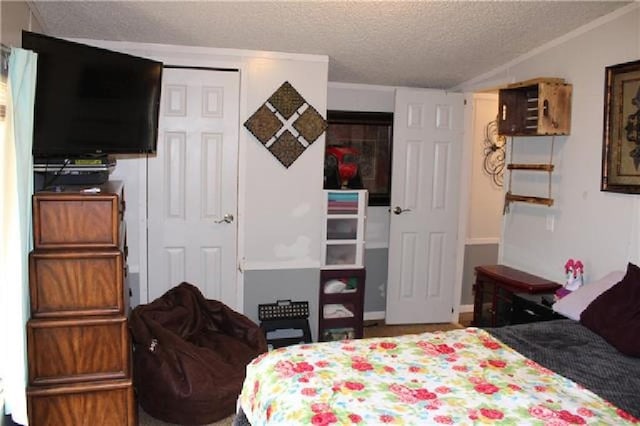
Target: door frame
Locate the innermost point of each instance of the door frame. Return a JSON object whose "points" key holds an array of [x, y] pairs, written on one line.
{"points": [[466, 188], [464, 199], [199, 62], [196, 62], [466, 163], [220, 74], [382, 98], [456, 274]]}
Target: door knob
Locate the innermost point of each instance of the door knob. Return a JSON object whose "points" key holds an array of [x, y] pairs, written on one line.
{"points": [[228, 218], [398, 210]]}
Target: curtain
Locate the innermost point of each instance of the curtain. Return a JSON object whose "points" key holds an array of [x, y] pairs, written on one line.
{"points": [[16, 183]]}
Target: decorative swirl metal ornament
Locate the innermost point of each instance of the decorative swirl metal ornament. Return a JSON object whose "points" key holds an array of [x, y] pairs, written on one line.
{"points": [[494, 153]]}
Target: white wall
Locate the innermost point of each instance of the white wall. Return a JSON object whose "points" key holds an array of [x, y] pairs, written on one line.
{"points": [[283, 207], [361, 97], [486, 198], [600, 228]]}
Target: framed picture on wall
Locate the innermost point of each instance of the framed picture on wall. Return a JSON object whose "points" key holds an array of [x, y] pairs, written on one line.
{"points": [[621, 139], [369, 137]]}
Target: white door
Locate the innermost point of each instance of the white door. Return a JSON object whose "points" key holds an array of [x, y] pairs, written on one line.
{"points": [[427, 150], [192, 185]]}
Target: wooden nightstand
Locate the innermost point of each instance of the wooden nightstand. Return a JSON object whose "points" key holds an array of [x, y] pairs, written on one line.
{"points": [[494, 289]]}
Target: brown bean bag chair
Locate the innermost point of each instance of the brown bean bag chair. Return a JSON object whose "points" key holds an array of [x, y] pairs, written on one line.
{"points": [[190, 355]]}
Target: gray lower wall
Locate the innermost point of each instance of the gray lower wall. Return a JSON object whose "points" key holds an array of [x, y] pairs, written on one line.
{"points": [[303, 285], [278, 284], [475, 255], [133, 283], [375, 290]]}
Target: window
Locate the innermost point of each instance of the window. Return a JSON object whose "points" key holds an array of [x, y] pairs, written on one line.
{"points": [[362, 139]]}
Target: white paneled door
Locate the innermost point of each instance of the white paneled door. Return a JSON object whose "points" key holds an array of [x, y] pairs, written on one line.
{"points": [[192, 185], [427, 150]]}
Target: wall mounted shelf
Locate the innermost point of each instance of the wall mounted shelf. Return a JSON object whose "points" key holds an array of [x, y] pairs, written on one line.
{"points": [[537, 107], [535, 167], [509, 197]]}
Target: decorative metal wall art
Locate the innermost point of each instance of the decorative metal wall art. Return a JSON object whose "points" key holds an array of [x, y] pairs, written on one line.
{"points": [[494, 152], [621, 144], [286, 124]]}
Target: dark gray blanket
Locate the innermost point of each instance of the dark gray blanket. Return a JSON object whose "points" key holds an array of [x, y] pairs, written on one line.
{"points": [[573, 351]]}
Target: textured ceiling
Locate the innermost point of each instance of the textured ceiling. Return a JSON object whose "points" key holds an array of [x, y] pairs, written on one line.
{"points": [[436, 44]]}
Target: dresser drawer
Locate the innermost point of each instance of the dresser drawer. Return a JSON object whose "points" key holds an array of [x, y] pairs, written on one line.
{"points": [[76, 282], [109, 403], [77, 220], [67, 351]]}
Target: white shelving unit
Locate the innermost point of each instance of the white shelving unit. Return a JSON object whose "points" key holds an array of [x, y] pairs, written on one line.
{"points": [[342, 275], [343, 229]]}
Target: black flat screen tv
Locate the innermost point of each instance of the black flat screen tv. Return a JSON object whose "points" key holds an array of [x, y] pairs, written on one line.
{"points": [[91, 101]]}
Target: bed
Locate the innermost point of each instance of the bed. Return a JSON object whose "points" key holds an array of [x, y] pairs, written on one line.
{"points": [[548, 373]]}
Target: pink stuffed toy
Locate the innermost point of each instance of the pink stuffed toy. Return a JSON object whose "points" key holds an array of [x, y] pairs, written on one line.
{"points": [[574, 270]]}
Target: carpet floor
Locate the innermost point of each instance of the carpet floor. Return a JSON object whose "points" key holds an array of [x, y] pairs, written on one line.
{"points": [[371, 329]]}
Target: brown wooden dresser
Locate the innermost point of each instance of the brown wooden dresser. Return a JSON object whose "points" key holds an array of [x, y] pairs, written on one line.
{"points": [[78, 343]]}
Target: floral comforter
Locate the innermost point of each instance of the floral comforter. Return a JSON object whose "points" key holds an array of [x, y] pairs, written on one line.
{"points": [[457, 377]]}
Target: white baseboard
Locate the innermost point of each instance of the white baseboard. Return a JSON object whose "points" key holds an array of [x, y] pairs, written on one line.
{"points": [[379, 315], [465, 308], [376, 315], [482, 241]]}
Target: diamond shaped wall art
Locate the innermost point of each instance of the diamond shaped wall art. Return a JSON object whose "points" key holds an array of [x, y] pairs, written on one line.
{"points": [[286, 124]]}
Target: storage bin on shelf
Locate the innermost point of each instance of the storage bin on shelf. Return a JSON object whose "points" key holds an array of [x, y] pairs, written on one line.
{"points": [[343, 229]]}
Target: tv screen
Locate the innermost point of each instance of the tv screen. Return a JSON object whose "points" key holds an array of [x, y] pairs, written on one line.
{"points": [[91, 100]]}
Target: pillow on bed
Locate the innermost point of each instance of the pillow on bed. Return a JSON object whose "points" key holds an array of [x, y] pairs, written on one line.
{"points": [[615, 314], [572, 305]]}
